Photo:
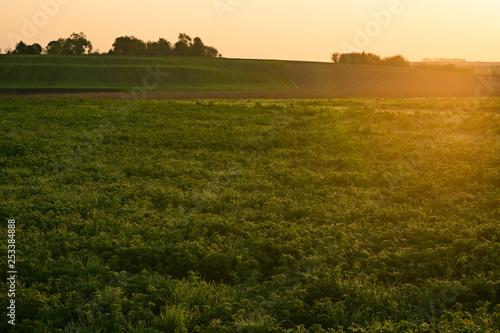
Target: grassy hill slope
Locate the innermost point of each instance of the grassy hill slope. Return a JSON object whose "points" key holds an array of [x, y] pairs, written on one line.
{"points": [[193, 77], [125, 73]]}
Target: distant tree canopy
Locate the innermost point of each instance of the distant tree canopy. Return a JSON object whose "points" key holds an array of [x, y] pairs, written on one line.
{"points": [[160, 48], [22, 48], [369, 59], [443, 67], [397, 61], [197, 49], [129, 45], [185, 46], [76, 44], [212, 51]]}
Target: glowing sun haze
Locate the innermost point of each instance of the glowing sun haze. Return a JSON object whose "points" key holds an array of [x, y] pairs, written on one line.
{"points": [[277, 29]]}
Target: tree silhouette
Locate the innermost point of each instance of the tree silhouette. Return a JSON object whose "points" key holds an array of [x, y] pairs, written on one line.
{"points": [[129, 45], [397, 60], [360, 58], [76, 44], [55, 47], [22, 48], [183, 44], [160, 48], [197, 48], [79, 44], [369, 59], [212, 51]]}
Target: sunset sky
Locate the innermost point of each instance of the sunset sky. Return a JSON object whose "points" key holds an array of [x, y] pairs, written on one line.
{"points": [[264, 29]]}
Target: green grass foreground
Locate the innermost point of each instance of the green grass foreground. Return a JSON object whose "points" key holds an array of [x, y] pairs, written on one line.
{"points": [[355, 215]]}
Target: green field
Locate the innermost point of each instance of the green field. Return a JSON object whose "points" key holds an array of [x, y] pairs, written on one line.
{"points": [[203, 76], [125, 73], [347, 215]]}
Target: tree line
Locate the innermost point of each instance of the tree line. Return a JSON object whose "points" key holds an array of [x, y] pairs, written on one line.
{"points": [[78, 44], [369, 59]]}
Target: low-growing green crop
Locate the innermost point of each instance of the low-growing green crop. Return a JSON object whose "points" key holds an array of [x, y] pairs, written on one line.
{"points": [[349, 215]]}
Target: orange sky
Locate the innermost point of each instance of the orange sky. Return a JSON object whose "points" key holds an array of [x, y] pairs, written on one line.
{"points": [[264, 29]]}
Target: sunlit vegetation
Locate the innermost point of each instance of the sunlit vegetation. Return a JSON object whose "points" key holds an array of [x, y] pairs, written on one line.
{"points": [[350, 215]]}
